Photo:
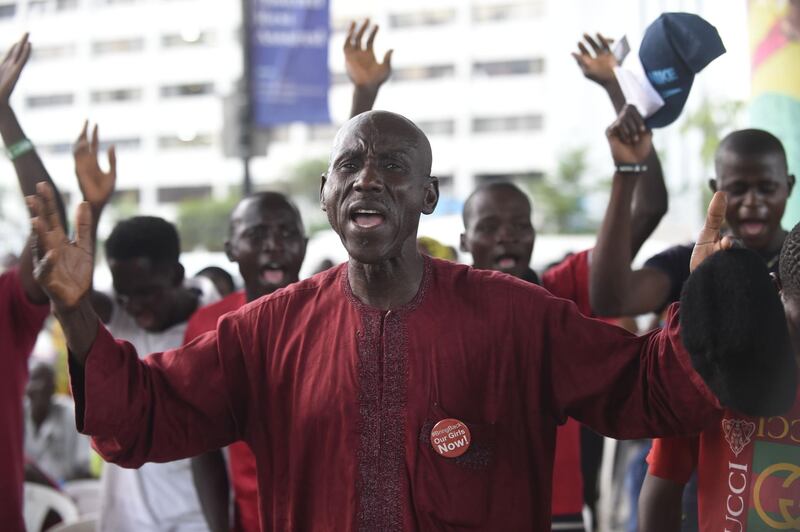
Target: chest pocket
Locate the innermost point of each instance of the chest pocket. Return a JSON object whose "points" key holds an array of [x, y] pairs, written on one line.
{"points": [[454, 491]]}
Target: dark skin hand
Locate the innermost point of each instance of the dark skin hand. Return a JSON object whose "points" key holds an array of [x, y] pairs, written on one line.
{"points": [[363, 68], [28, 166], [632, 293], [377, 186], [65, 269], [650, 203]]}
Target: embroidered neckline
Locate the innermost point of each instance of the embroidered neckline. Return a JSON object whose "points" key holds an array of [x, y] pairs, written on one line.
{"points": [[404, 309]]}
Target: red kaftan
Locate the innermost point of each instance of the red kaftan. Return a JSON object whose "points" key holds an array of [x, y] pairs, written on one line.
{"points": [[337, 400]]}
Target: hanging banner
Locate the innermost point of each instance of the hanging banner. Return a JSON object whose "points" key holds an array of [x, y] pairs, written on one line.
{"points": [[288, 54], [775, 101]]}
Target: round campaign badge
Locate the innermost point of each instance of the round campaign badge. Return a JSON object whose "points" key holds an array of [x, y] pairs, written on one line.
{"points": [[450, 438]]}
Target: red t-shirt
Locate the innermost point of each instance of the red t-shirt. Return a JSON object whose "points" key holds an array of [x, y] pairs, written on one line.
{"points": [[241, 461], [748, 471], [569, 280], [20, 323]]}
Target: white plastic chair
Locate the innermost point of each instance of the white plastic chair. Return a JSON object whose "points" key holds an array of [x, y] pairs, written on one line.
{"points": [[86, 494], [87, 524], [39, 500]]}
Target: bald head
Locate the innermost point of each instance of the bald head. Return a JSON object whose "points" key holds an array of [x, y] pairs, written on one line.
{"points": [[371, 125], [265, 202], [505, 189]]}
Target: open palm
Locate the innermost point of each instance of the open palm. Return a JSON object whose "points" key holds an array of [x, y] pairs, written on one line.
{"points": [[597, 65], [62, 267], [362, 66], [96, 185]]}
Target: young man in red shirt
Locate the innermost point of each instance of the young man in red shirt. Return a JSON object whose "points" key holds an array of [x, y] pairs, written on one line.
{"points": [[748, 467], [268, 242]]}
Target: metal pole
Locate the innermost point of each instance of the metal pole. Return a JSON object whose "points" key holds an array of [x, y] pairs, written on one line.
{"points": [[246, 120]]}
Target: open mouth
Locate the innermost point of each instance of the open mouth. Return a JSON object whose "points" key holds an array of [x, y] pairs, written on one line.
{"points": [[752, 228], [506, 262], [272, 274], [367, 218]]}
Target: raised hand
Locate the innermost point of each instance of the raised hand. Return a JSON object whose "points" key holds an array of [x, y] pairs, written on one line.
{"points": [[96, 185], [709, 241], [362, 67], [11, 67], [597, 65], [630, 140], [62, 267]]}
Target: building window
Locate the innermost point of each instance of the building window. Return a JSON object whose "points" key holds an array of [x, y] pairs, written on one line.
{"points": [[49, 100], [52, 51], [134, 44], [8, 10], [116, 95], [434, 17], [186, 89], [523, 178], [424, 72], [129, 196], [437, 127], [507, 123], [186, 39], [178, 194], [51, 6], [121, 143], [324, 132], [170, 142], [508, 11], [514, 67], [55, 148]]}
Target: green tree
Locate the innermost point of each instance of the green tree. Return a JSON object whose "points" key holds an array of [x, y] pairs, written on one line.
{"points": [[203, 223], [560, 197]]}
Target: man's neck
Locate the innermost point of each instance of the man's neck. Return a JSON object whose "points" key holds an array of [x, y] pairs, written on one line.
{"points": [[387, 285]]}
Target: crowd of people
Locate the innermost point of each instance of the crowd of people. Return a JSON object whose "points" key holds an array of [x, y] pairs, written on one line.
{"points": [[399, 391]]}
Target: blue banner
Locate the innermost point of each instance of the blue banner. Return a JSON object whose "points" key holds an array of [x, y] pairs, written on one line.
{"points": [[289, 76]]}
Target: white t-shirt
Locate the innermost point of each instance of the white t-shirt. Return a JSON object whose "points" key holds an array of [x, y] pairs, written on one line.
{"points": [[57, 449], [155, 497]]}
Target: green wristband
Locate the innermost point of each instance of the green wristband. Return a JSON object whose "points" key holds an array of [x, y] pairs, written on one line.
{"points": [[19, 149]]}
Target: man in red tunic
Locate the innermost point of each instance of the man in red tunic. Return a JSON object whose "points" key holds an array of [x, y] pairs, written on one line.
{"points": [[267, 241], [345, 385]]}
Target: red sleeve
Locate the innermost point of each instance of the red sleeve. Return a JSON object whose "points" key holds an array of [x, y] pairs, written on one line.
{"points": [[570, 280], [619, 384], [26, 318], [167, 406], [674, 459]]}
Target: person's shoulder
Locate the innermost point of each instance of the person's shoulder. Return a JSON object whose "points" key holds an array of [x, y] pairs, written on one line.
{"points": [[678, 252], [223, 306], [465, 279], [301, 291]]}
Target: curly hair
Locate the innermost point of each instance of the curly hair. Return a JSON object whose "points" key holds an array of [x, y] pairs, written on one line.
{"points": [[789, 265]]}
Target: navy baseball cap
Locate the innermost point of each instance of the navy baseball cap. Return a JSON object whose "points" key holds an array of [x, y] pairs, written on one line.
{"points": [[676, 47]]}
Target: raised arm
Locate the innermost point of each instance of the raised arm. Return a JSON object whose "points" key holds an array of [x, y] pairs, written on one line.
{"points": [[615, 289], [363, 68], [27, 164], [650, 199], [136, 410], [97, 187]]}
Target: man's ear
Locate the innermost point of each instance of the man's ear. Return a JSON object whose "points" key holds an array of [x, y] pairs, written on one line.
{"points": [[791, 180], [180, 273], [463, 243], [431, 195], [776, 280], [712, 184], [229, 251], [322, 179]]}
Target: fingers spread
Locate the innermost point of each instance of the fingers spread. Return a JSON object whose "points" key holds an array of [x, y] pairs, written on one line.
{"points": [[592, 43], [348, 41], [112, 160], [387, 58], [583, 49], [371, 38], [48, 207], [95, 140], [360, 34]]}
